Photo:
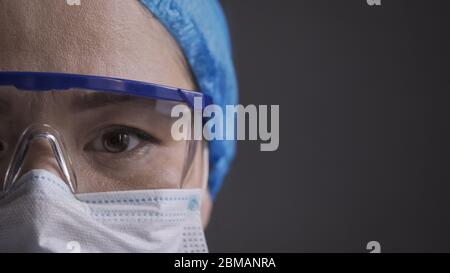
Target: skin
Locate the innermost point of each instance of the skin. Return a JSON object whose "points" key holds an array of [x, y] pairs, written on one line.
{"points": [[114, 38]]}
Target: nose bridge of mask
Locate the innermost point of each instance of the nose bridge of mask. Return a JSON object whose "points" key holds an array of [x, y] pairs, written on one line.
{"points": [[48, 135], [41, 215]]}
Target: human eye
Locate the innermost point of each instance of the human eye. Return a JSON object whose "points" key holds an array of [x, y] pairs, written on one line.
{"points": [[120, 140]]}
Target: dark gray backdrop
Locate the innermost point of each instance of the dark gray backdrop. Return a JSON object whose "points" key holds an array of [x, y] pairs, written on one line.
{"points": [[364, 151]]}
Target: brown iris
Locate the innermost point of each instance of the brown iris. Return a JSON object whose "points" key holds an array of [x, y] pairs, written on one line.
{"points": [[116, 142]]}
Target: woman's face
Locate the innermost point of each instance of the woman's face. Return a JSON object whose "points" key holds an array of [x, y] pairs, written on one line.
{"points": [[117, 38]]}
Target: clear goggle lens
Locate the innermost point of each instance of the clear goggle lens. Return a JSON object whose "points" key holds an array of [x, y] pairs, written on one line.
{"points": [[98, 141]]}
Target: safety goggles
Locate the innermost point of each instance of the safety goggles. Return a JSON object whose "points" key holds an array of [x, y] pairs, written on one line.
{"points": [[103, 134]]}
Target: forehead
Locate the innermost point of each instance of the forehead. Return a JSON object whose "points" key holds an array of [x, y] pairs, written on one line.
{"points": [[13, 101], [102, 37]]}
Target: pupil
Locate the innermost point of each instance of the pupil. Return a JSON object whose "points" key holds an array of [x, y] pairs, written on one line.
{"points": [[116, 142]]}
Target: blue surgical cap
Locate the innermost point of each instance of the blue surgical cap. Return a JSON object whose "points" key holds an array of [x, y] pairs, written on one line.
{"points": [[201, 30]]}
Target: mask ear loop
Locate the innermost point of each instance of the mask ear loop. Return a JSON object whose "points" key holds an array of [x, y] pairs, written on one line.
{"points": [[38, 131]]}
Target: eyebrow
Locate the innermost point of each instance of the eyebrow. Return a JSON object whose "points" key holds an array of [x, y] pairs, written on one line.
{"points": [[81, 102]]}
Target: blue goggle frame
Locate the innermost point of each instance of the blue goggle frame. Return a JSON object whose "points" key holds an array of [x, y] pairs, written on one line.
{"points": [[46, 81]]}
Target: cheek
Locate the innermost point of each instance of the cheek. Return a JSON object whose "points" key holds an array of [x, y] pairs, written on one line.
{"points": [[197, 174], [162, 170]]}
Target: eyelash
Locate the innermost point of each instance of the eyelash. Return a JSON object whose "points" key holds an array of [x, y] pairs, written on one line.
{"points": [[143, 136], [131, 130]]}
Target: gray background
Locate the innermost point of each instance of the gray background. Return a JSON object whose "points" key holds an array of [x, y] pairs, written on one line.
{"points": [[364, 151]]}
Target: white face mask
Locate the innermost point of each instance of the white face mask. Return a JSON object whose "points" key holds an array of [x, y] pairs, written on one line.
{"points": [[40, 214]]}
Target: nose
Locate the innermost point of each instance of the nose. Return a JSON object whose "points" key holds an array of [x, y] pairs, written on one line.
{"points": [[40, 147], [40, 156]]}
